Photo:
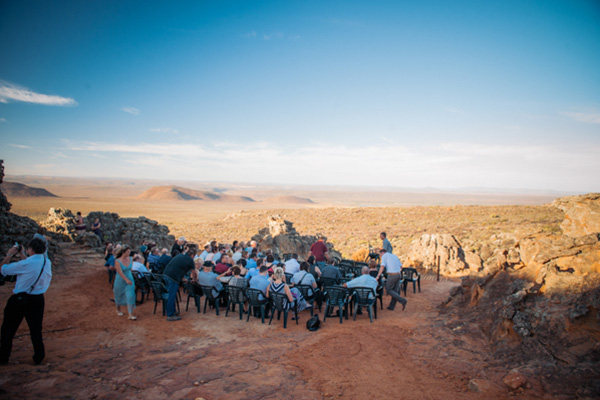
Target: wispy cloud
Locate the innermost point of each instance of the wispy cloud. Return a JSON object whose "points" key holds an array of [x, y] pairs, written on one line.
{"points": [[131, 110], [11, 92], [447, 165], [249, 35], [274, 35], [588, 117], [20, 146], [164, 130], [2, 119], [270, 36]]}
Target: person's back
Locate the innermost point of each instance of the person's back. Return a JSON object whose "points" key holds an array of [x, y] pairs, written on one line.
{"points": [[206, 278], [163, 260], [330, 271], [292, 266], [179, 266]]}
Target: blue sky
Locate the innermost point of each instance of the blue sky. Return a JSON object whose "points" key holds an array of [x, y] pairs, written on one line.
{"points": [[406, 94]]}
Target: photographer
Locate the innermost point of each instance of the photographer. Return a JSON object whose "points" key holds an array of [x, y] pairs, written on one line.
{"points": [[33, 279]]}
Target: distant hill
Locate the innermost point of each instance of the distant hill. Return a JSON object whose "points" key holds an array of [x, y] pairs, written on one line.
{"points": [[178, 193], [14, 189], [289, 200]]}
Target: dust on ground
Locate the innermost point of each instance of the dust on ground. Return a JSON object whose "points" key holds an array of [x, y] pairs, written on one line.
{"points": [[94, 354]]}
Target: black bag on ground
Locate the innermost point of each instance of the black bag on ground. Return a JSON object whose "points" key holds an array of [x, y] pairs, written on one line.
{"points": [[313, 323]]}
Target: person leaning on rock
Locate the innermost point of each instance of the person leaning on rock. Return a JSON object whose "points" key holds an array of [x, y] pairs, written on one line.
{"points": [[33, 279]]}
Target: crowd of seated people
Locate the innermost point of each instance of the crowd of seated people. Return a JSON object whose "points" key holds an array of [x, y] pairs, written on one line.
{"points": [[245, 267]]}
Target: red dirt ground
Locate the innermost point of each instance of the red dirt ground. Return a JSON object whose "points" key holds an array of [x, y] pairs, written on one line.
{"points": [[94, 354]]}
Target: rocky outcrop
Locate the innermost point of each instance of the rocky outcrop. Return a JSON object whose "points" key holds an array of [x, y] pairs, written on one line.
{"points": [[4, 204], [582, 214], [132, 231], [429, 250], [281, 237], [538, 301]]}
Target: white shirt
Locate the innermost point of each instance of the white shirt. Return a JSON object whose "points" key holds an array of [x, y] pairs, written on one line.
{"points": [[236, 256], [392, 263], [292, 266], [27, 272], [139, 267]]}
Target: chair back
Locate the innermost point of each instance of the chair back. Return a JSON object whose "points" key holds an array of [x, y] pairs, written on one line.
{"points": [[256, 298], [159, 290], [347, 262], [336, 295], [194, 289], [236, 294], [288, 278], [364, 295], [280, 301], [327, 282], [207, 291], [307, 292], [410, 274]]}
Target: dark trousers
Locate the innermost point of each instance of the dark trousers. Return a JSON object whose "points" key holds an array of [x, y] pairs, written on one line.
{"points": [[173, 289], [392, 287], [31, 307]]}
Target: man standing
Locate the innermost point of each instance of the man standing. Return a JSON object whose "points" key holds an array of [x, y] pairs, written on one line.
{"points": [[392, 263], [386, 245], [319, 250], [33, 279], [174, 272]]}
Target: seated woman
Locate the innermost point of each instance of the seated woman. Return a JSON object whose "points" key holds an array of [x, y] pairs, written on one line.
{"points": [[278, 285], [313, 269], [236, 280]]}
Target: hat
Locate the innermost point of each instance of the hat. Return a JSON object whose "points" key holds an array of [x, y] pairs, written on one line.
{"points": [[182, 239]]}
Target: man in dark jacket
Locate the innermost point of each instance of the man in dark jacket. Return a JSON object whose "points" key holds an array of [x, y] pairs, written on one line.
{"points": [[174, 272]]}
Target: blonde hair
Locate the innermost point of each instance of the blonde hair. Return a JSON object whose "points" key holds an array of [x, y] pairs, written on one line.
{"points": [[278, 273], [121, 250]]}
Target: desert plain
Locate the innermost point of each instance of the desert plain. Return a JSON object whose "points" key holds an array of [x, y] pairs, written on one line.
{"points": [[416, 354]]}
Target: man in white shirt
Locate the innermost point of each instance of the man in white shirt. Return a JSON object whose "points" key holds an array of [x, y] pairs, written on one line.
{"points": [[237, 255], [392, 263], [33, 279], [138, 265], [292, 266]]}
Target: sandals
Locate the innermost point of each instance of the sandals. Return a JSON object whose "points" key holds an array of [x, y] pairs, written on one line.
{"points": [[132, 317], [120, 314]]}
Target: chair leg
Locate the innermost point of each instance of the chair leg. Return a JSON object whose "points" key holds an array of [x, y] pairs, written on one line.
{"points": [[187, 304], [341, 312], [155, 304], [205, 304], [355, 311], [326, 311], [241, 311], [285, 315], [227, 311], [272, 314], [419, 284], [370, 309], [262, 313]]}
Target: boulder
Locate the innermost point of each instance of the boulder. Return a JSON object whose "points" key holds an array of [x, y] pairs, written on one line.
{"points": [[4, 203], [281, 237], [454, 261], [582, 214], [114, 229]]}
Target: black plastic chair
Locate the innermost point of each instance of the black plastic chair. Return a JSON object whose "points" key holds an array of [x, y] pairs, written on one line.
{"points": [[281, 303], [309, 294], [236, 296], [411, 275], [160, 293], [193, 291], [207, 291], [337, 296], [327, 282], [361, 299], [141, 284], [288, 278], [257, 299]]}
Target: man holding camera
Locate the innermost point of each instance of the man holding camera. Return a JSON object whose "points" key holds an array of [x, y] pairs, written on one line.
{"points": [[33, 279]]}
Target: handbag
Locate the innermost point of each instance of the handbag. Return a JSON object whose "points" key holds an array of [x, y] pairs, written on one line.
{"points": [[23, 297], [313, 324]]}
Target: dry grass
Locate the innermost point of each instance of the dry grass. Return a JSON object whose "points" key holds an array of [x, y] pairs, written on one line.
{"points": [[348, 228]]}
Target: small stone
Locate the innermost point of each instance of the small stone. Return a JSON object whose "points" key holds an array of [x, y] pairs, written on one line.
{"points": [[196, 383], [514, 380], [98, 380]]}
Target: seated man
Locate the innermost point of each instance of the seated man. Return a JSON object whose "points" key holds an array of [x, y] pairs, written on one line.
{"points": [[261, 281], [207, 277], [237, 255], [138, 265], [330, 271], [252, 267], [205, 252], [365, 280], [219, 254], [292, 266], [223, 265], [163, 260], [153, 257]]}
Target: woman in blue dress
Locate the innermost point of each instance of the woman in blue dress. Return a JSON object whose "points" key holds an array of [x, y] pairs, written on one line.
{"points": [[124, 288]]}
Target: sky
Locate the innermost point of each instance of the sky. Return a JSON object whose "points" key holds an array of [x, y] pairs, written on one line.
{"points": [[407, 94]]}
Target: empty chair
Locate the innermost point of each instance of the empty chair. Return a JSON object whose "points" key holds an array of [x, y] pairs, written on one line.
{"points": [[365, 297], [209, 296], [280, 303], [257, 299], [337, 296], [160, 293], [193, 291], [411, 275], [236, 296]]}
